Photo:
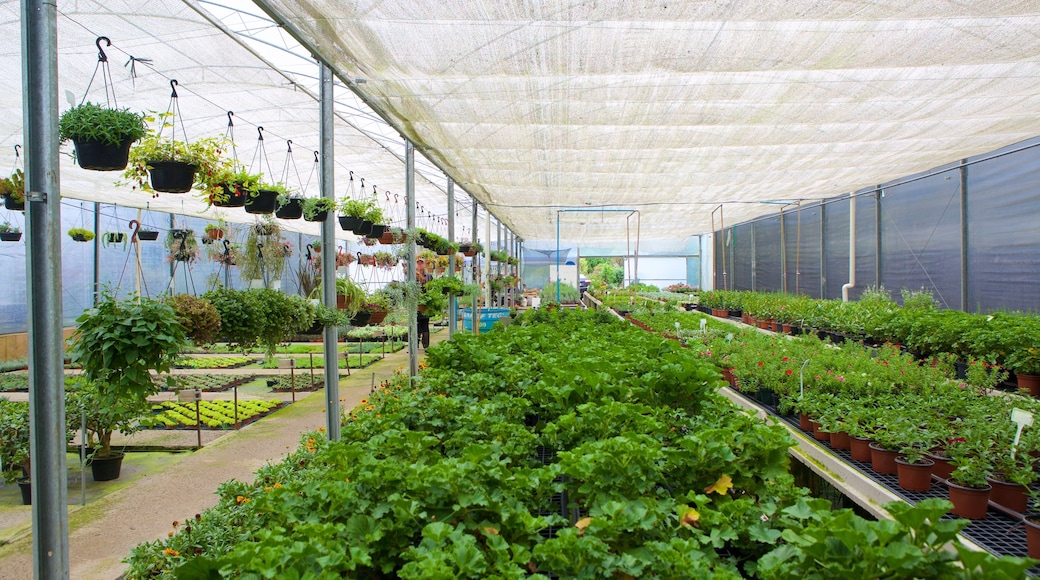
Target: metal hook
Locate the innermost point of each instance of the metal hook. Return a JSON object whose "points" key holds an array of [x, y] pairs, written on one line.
{"points": [[260, 131], [359, 258], [135, 226], [101, 56], [362, 184], [396, 199], [352, 176], [230, 121], [374, 192], [387, 194], [17, 151], [288, 143], [316, 154], [173, 85]]}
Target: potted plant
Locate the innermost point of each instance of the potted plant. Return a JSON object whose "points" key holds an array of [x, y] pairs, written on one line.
{"points": [[101, 136], [353, 212], [147, 235], [81, 234], [264, 200], [182, 245], [470, 249], [350, 297], [118, 344], [316, 209], [1025, 363], [161, 164], [289, 207], [263, 258], [215, 231], [12, 189], [969, 490], [15, 461], [375, 216], [378, 306], [113, 238], [9, 233], [228, 185]]}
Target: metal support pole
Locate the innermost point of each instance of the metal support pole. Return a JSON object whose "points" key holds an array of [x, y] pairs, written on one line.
{"points": [[97, 253], [557, 256], [487, 299], [476, 268], [50, 523], [328, 251], [453, 302], [413, 322], [964, 234]]}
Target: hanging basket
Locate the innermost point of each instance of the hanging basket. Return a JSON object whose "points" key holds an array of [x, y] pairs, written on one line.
{"points": [[377, 232], [468, 250], [10, 236], [361, 319], [147, 235], [263, 202], [172, 176], [11, 204], [319, 217], [291, 210], [365, 228], [234, 196], [377, 317], [98, 156], [350, 223]]}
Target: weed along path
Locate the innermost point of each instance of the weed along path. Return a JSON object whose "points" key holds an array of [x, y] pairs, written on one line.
{"points": [[142, 505]]}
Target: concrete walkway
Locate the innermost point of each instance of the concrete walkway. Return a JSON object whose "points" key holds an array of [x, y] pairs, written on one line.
{"points": [[152, 494]]}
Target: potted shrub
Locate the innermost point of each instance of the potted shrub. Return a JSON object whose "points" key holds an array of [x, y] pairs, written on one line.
{"points": [[969, 490], [14, 445], [101, 136], [12, 189], [81, 234], [159, 164], [1025, 363], [198, 316], [316, 209], [118, 344], [9, 233]]}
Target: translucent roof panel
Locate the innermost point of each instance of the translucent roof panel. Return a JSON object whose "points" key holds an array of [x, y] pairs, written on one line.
{"points": [[672, 107]]}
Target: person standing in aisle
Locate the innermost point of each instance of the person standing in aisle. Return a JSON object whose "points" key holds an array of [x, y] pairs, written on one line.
{"points": [[422, 276]]}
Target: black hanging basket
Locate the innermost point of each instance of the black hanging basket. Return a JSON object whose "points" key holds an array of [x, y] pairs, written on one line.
{"points": [[106, 468], [172, 176], [147, 235], [262, 202], [234, 196], [320, 217], [11, 204], [365, 228], [377, 232], [350, 223], [10, 236], [361, 319], [98, 156], [25, 486], [292, 210]]}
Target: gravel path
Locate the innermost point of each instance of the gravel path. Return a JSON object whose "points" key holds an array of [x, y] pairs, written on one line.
{"points": [[143, 507]]}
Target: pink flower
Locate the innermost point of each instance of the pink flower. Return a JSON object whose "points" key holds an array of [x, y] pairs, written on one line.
{"points": [[841, 378]]}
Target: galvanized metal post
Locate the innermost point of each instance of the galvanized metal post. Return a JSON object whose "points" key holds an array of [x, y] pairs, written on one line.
{"points": [[453, 304], [328, 255], [413, 322], [50, 523], [476, 266], [964, 234]]}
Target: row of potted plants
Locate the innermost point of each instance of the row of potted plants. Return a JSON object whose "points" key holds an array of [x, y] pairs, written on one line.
{"points": [[567, 445], [1004, 338]]}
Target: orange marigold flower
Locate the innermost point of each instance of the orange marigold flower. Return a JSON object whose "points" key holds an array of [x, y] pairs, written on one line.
{"points": [[277, 485], [171, 552], [321, 429], [169, 534], [268, 488], [241, 499]]}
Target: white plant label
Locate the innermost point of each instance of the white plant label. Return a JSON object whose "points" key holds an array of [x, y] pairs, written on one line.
{"points": [[1023, 419]]}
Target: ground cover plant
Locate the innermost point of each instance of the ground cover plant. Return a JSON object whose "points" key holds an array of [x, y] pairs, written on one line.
{"points": [[212, 362], [302, 382], [567, 444], [212, 414], [305, 362], [209, 383]]}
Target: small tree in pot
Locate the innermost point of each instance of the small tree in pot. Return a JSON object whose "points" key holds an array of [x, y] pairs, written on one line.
{"points": [[118, 344]]}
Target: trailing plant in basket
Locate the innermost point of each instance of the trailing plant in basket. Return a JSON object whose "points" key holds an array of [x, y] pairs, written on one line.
{"points": [[206, 154], [13, 187], [312, 206]]}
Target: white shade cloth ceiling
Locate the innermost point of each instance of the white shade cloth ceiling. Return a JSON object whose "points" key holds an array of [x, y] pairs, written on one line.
{"points": [[674, 106], [666, 107]]}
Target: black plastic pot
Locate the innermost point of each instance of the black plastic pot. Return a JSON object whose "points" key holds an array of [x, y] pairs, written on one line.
{"points": [[98, 156], [172, 176], [148, 235], [350, 223], [292, 210], [320, 217], [365, 228], [10, 236], [25, 486], [361, 319], [233, 197], [377, 232], [11, 204], [263, 202], [106, 468]]}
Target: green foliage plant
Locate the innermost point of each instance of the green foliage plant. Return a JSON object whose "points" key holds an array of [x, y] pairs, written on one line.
{"points": [[83, 233], [118, 344], [357, 208], [198, 316], [13, 187], [9, 228], [205, 154], [93, 122], [312, 206], [568, 294]]}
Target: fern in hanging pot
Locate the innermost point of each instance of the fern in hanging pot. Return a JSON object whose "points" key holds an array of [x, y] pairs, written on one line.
{"points": [[264, 199], [163, 164], [316, 209], [101, 136]]}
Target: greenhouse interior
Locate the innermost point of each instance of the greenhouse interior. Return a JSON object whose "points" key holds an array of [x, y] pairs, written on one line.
{"points": [[483, 289]]}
